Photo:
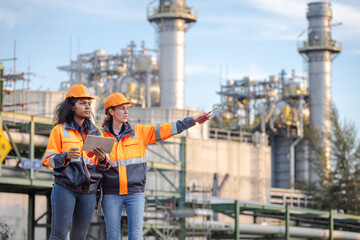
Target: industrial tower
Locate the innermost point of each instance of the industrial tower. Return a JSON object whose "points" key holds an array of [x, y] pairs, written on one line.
{"points": [[319, 50], [172, 18]]}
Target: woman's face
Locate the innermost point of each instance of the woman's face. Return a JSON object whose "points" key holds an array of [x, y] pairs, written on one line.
{"points": [[82, 108], [120, 113]]}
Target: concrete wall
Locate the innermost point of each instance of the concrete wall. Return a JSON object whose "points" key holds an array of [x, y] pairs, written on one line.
{"points": [[248, 166], [14, 212]]}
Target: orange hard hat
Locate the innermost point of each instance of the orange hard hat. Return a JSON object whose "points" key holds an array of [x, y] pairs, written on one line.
{"points": [[115, 99], [78, 91]]}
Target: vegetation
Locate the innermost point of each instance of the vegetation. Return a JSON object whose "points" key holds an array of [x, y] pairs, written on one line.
{"points": [[338, 187], [5, 231]]}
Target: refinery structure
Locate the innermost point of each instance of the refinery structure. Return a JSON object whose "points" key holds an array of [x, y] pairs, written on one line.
{"points": [[233, 178]]}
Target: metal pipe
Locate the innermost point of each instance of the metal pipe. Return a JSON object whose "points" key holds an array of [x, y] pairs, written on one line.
{"points": [[292, 162], [257, 229], [287, 222], [24, 139], [331, 225]]}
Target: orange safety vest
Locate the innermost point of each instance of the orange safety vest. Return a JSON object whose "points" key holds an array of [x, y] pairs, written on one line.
{"points": [[128, 156], [81, 174]]}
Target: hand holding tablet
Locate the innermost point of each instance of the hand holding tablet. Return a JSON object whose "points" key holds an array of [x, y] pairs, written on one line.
{"points": [[92, 142]]}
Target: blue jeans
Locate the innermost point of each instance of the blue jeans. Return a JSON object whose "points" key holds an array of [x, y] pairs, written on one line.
{"points": [[67, 208], [134, 206]]}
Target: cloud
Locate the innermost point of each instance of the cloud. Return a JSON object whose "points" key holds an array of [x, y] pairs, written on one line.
{"points": [[228, 72], [284, 19], [7, 18], [349, 15], [347, 12], [17, 12], [104, 8], [355, 52], [251, 28], [13, 13], [275, 20], [196, 70], [248, 70], [289, 8]]}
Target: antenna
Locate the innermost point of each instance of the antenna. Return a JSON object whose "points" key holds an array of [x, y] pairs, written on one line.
{"points": [[78, 46], [70, 48], [14, 89], [220, 74], [226, 72], [336, 24], [302, 33]]}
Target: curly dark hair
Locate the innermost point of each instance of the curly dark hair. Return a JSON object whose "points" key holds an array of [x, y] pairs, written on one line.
{"points": [[63, 112]]}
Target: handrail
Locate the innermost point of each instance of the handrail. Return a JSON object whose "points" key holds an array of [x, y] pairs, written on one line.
{"points": [[172, 11], [319, 43], [239, 136]]}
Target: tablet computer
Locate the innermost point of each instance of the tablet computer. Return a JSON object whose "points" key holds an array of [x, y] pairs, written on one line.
{"points": [[92, 142]]}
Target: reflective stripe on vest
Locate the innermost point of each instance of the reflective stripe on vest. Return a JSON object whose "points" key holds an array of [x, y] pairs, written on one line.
{"points": [[157, 132], [133, 137], [65, 131], [51, 156], [174, 131], [87, 161], [128, 161]]}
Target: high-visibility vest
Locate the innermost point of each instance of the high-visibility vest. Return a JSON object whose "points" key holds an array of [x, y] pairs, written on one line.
{"points": [[80, 174], [128, 156]]}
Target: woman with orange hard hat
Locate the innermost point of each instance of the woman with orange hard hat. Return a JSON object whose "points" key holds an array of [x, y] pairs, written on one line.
{"points": [[124, 182], [77, 173]]}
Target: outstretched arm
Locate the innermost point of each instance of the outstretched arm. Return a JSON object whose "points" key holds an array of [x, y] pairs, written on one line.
{"points": [[163, 131]]}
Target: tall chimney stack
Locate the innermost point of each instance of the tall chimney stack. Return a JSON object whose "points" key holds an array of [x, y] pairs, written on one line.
{"points": [[319, 51], [172, 18]]}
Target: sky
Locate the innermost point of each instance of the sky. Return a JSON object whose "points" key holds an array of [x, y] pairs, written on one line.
{"points": [[230, 40]]}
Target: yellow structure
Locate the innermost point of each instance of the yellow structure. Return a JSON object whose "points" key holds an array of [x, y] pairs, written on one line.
{"points": [[5, 146]]}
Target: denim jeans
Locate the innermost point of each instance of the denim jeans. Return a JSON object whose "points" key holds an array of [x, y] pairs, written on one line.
{"points": [[70, 208], [134, 206]]}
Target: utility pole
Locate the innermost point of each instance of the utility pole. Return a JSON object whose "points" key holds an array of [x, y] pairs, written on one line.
{"points": [[1, 92]]}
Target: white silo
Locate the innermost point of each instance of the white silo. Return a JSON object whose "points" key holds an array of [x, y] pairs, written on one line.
{"points": [[171, 18]]}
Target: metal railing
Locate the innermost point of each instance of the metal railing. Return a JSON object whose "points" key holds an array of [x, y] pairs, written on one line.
{"points": [[320, 44], [172, 11], [238, 136], [293, 197]]}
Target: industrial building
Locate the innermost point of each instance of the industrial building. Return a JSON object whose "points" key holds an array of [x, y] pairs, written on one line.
{"points": [[233, 178]]}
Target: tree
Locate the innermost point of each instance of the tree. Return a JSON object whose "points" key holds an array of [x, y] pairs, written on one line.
{"points": [[5, 231], [338, 187]]}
